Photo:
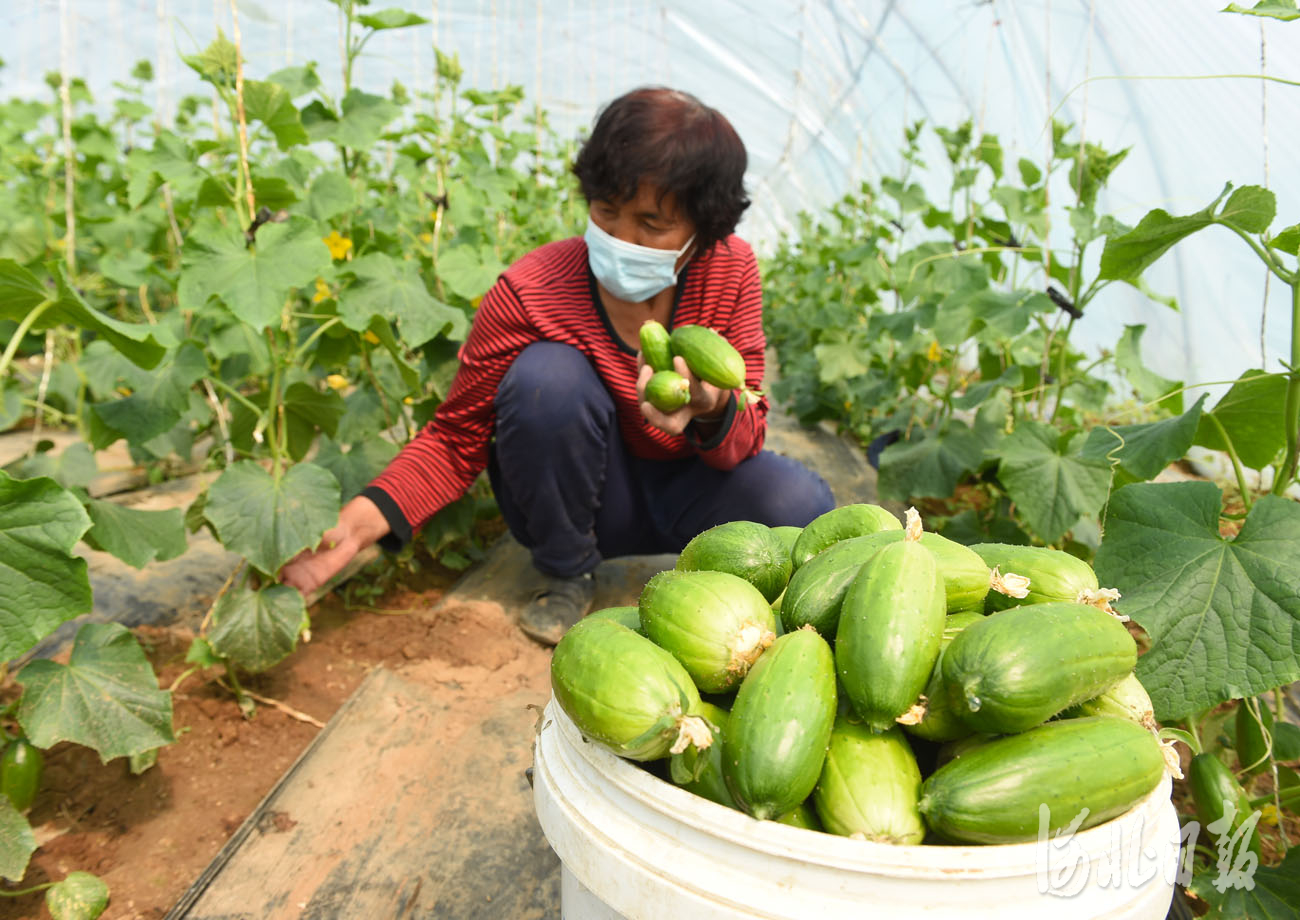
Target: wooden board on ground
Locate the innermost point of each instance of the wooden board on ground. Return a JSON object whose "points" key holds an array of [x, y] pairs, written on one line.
{"points": [[401, 808]]}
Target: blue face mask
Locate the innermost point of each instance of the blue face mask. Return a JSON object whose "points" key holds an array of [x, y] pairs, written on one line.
{"points": [[628, 271]]}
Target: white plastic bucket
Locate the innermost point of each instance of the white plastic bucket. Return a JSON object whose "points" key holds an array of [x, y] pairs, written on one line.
{"points": [[636, 847]]}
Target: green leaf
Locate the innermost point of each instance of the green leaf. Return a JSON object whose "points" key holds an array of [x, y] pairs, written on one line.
{"points": [[129, 268], [1284, 10], [298, 81], [1272, 893], [1052, 485], [216, 63], [267, 520], [1001, 315], [200, 653], [390, 19], [356, 466], [1223, 615], [1143, 451], [1012, 378], [272, 105], [469, 272], [157, 400], [989, 151], [838, 361], [1250, 208], [1287, 240], [1148, 385], [134, 536], [80, 896], [73, 468], [17, 842], [909, 197], [106, 697], [1128, 255], [330, 195], [1029, 172], [930, 466], [21, 291], [252, 281], [308, 411], [394, 290], [363, 119], [11, 404], [1252, 413], [42, 583], [257, 629]]}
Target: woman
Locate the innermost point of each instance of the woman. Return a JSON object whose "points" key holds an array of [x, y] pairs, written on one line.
{"points": [[549, 397]]}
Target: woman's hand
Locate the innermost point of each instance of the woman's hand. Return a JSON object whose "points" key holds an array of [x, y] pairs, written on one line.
{"points": [[707, 401], [361, 523]]}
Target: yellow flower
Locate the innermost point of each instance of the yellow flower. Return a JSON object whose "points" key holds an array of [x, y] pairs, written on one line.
{"points": [[476, 301], [370, 337], [1268, 814], [323, 291], [339, 246], [426, 238], [336, 381], [935, 353], [408, 400]]}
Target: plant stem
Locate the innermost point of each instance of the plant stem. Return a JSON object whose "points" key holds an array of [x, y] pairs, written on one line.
{"points": [[20, 333], [1287, 473], [1265, 256], [240, 115], [311, 339], [26, 891], [236, 395], [1232, 455]]}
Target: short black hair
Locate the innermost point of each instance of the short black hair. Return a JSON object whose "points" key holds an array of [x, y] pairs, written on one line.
{"points": [[672, 139]]}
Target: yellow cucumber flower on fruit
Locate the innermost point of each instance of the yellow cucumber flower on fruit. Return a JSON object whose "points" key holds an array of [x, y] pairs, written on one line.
{"points": [[935, 353], [336, 381], [338, 245], [323, 291], [426, 238], [370, 337]]}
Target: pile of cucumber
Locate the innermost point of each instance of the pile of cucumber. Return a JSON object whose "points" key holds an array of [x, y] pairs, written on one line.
{"points": [[873, 681]]}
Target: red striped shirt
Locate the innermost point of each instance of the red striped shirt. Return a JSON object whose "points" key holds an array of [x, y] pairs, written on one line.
{"points": [[547, 296]]}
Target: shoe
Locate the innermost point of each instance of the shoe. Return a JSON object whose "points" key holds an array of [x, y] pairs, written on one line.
{"points": [[557, 605]]}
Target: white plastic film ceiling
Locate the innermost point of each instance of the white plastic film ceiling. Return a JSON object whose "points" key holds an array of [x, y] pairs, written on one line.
{"points": [[820, 91]]}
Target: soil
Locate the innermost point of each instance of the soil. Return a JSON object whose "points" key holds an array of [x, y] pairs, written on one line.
{"points": [[150, 836]]}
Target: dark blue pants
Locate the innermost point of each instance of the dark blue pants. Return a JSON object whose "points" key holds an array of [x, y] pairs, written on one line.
{"points": [[570, 491]]}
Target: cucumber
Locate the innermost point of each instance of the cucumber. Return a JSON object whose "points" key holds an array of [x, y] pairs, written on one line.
{"points": [[788, 535], [1128, 699], [839, 524], [816, 590], [869, 786], [655, 349], [716, 624], [940, 721], [746, 549], [1253, 749], [1054, 575], [628, 616], [624, 691], [700, 772], [709, 356], [1214, 790], [889, 629], [992, 793], [780, 725], [667, 391], [1019, 667], [802, 815], [816, 596]]}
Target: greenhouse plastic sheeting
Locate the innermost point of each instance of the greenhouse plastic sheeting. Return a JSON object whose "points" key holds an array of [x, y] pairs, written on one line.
{"points": [[820, 91]]}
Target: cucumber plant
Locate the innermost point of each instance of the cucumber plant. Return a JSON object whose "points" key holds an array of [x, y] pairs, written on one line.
{"points": [[274, 285]]}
